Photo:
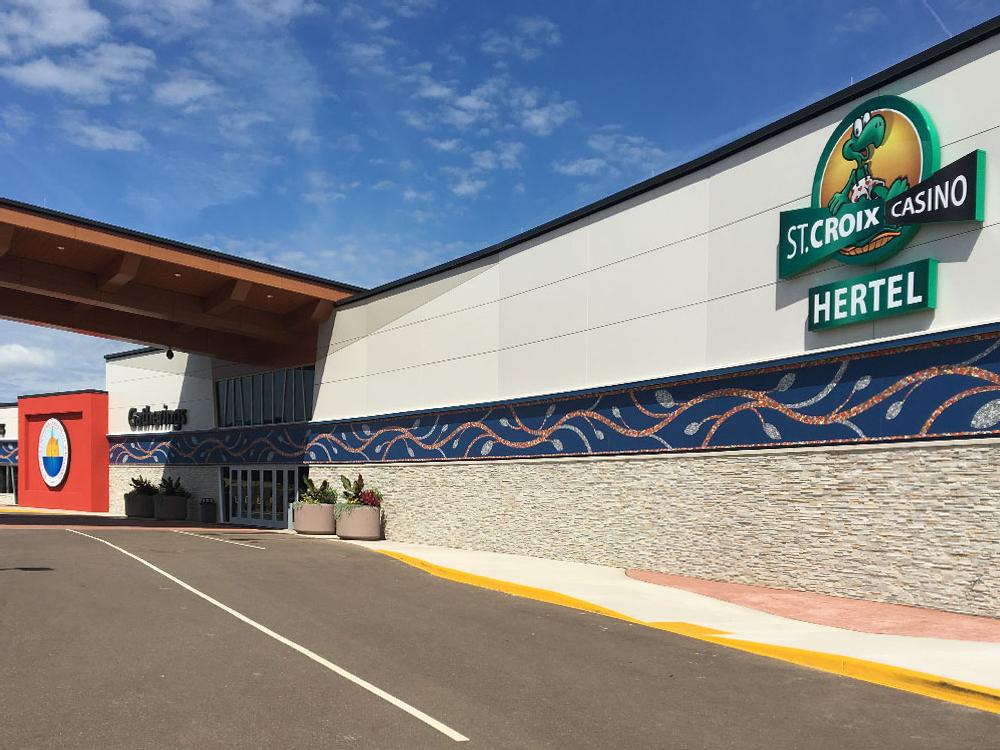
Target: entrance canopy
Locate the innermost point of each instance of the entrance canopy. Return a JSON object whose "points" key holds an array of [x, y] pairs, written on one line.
{"points": [[79, 275]]}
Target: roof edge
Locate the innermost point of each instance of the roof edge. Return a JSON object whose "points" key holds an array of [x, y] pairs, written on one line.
{"points": [[929, 56], [133, 353], [62, 393], [145, 237]]}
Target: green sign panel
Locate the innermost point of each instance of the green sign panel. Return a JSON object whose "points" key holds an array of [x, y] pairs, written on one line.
{"points": [[894, 291], [877, 182], [811, 235]]}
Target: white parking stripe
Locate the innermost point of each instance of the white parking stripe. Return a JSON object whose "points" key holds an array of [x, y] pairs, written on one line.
{"points": [[217, 539], [402, 705]]}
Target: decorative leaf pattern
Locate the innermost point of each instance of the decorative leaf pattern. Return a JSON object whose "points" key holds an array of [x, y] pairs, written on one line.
{"points": [[848, 398]]}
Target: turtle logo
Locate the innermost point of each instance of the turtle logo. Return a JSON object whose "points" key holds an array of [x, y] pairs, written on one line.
{"points": [[882, 148]]}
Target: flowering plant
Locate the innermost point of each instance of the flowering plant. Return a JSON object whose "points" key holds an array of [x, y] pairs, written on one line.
{"points": [[318, 494], [355, 493], [372, 498]]}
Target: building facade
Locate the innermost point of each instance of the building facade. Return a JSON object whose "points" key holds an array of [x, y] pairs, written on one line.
{"points": [[778, 365]]}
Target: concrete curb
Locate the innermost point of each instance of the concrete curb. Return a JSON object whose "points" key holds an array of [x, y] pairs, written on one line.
{"points": [[898, 678]]}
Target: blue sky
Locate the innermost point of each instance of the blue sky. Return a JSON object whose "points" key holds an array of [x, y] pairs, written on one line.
{"points": [[365, 141]]}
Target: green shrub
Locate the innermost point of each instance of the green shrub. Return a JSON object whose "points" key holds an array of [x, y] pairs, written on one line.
{"points": [[142, 486], [170, 486], [318, 494]]}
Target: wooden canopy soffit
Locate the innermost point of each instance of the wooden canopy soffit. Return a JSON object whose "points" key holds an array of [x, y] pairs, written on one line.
{"points": [[70, 274]]}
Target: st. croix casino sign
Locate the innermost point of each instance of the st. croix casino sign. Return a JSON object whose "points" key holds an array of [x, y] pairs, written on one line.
{"points": [[876, 183]]}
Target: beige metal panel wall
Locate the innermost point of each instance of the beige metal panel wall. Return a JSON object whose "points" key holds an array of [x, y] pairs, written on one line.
{"points": [[679, 280], [8, 418], [184, 382]]}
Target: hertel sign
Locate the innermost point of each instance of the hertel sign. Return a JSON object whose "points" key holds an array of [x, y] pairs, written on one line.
{"points": [[877, 181]]}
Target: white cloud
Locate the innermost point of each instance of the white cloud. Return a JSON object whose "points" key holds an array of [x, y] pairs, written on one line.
{"points": [[430, 89], [366, 57], [859, 20], [27, 26], [373, 21], [509, 154], [448, 145], [411, 195], [580, 167], [15, 119], [505, 155], [302, 136], [384, 185], [280, 12], [485, 160], [410, 8], [15, 357], [417, 120], [238, 125], [615, 151], [543, 119], [528, 39], [101, 137], [165, 19], [92, 75], [347, 142], [322, 188], [629, 150], [185, 90], [467, 186]]}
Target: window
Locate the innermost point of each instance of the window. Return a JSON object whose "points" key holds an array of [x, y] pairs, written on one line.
{"points": [[8, 480], [268, 380], [274, 397], [247, 399], [279, 397]]}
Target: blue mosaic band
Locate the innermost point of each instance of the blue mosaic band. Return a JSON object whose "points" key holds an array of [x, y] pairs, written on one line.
{"points": [[946, 388]]}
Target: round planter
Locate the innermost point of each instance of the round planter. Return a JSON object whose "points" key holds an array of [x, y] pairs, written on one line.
{"points": [[138, 506], [313, 518], [170, 508], [359, 522]]}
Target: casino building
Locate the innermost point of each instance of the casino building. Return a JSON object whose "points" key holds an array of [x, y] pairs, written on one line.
{"points": [[777, 364]]}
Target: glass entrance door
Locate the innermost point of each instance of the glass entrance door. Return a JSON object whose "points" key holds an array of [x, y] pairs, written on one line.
{"points": [[260, 495]]}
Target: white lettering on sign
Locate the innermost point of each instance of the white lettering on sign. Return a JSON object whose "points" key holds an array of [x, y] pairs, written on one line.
{"points": [[875, 285], [840, 303], [858, 299], [802, 238], [912, 298], [895, 289], [952, 194], [821, 307]]}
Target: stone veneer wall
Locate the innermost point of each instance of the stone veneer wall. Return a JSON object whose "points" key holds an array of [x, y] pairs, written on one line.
{"points": [[914, 524], [201, 481]]}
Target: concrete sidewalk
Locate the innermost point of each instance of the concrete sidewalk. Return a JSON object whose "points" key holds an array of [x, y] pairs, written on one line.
{"points": [[959, 666]]}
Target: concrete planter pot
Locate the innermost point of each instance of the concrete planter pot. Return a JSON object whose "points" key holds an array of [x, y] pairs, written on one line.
{"points": [[313, 518], [170, 508], [138, 506], [359, 522]]}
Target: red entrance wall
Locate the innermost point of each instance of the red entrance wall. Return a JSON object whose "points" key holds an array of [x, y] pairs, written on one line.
{"points": [[84, 414]]}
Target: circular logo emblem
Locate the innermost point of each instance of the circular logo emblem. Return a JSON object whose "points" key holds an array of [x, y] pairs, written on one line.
{"points": [[883, 147], [53, 453]]}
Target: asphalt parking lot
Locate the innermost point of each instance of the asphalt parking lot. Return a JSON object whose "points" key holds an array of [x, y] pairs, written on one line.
{"points": [[183, 640]]}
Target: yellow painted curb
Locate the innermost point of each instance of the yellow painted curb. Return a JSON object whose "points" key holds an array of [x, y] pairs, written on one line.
{"points": [[898, 678], [34, 511]]}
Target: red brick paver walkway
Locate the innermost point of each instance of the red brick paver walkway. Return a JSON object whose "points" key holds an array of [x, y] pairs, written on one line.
{"points": [[835, 611]]}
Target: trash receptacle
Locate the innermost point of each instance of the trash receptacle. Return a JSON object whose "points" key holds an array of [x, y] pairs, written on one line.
{"points": [[206, 510]]}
